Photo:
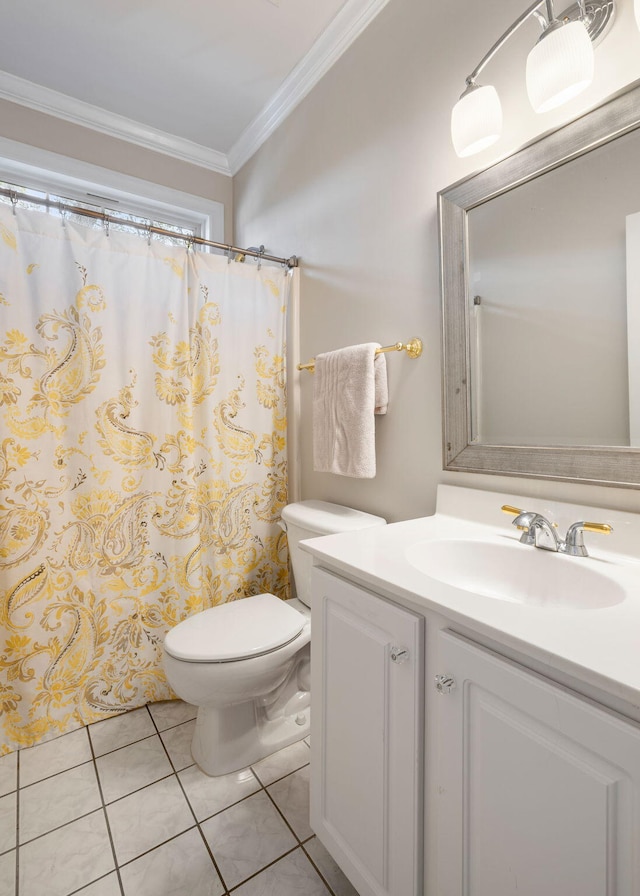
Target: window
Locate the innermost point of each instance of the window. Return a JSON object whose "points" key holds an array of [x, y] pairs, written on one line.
{"points": [[56, 205], [34, 172]]}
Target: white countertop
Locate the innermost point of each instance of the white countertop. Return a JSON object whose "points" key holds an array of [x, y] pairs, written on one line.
{"points": [[600, 646]]}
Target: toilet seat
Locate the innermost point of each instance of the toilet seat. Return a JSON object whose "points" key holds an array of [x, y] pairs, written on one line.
{"points": [[235, 631]]}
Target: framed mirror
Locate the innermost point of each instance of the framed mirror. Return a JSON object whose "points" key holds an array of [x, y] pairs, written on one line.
{"points": [[540, 272]]}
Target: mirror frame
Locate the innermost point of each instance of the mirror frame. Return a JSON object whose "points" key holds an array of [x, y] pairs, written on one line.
{"points": [[597, 465]]}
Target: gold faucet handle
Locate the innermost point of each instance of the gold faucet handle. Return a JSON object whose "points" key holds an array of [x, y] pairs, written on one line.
{"points": [[602, 528], [514, 511]]}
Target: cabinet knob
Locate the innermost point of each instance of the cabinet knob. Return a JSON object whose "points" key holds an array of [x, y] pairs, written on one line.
{"points": [[399, 655], [444, 684]]}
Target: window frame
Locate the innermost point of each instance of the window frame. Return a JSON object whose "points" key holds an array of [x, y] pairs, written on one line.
{"points": [[39, 169]]}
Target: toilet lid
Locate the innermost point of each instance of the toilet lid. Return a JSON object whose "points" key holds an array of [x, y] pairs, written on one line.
{"points": [[235, 630]]}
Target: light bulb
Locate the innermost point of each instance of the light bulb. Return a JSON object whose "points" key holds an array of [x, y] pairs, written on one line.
{"points": [[560, 66], [476, 120]]}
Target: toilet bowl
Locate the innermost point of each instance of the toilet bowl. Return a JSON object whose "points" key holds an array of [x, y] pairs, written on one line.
{"points": [[246, 664]]}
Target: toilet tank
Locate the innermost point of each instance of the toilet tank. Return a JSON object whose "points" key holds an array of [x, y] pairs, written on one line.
{"points": [[309, 519]]}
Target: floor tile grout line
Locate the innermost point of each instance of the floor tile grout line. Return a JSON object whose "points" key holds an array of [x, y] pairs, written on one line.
{"points": [[124, 746], [104, 804], [283, 816], [299, 844], [150, 714], [106, 814], [91, 883], [87, 727], [177, 725], [55, 774], [235, 886], [270, 865], [282, 777], [262, 788], [324, 880], [242, 799], [83, 727], [213, 861], [194, 827], [137, 790], [169, 727], [139, 740], [157, 846], [113, 849], [59, 827], [197, 827], [200, 831]]}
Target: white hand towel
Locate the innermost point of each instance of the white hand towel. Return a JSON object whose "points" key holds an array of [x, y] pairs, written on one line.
{"points": [[349, 387]]}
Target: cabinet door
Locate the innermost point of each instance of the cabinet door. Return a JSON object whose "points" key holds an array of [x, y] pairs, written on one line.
{"points": [[367, 736], [538, 788]]}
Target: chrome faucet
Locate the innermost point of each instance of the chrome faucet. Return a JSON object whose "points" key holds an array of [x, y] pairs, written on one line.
{"points": [[540, 533]]}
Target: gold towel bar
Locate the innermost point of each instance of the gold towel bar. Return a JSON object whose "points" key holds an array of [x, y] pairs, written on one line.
{"points": [[413, 348]]}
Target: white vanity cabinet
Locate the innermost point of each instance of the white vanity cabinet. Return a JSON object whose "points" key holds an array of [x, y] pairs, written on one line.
{"points": [[367, 680], [529, 774], [538, 789]]}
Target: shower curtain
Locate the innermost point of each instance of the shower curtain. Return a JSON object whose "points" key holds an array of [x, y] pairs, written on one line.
{"points": [[142, 460]]}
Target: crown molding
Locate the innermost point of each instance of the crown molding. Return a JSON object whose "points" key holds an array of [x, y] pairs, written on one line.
{"points": [[342, 31], [43, 99]]}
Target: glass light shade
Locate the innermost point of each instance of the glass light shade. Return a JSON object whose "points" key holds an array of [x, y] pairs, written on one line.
{"points": [[560, 66], [476, 120]]}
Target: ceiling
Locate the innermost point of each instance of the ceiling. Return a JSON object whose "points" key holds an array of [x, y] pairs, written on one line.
{"points": [[205, 79]]}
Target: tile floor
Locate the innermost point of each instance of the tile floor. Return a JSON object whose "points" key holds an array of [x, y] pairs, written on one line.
{"points": [[120, 809]]}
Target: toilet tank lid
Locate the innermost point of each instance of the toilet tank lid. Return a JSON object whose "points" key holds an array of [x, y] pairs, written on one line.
{"points": [[325, 518], [236, 630]]}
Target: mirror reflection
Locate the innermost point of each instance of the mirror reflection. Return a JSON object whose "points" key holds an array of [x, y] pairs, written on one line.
{"points": [[554, 305]]}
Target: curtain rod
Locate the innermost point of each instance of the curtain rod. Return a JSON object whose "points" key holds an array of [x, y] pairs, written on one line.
{"points": [[190, 239]]}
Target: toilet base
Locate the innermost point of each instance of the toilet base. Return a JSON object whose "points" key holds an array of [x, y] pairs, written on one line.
{"points": [[228, 739]]}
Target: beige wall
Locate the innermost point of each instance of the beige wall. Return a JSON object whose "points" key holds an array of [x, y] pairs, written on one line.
{"points": [[349, 182], [46, 132]]}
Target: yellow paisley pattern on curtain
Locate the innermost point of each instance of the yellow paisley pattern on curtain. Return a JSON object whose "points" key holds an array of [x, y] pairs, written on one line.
{"points": [[142, 461]]}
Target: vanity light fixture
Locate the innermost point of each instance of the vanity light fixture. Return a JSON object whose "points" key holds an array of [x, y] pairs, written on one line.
{"points": [[559, 67]]}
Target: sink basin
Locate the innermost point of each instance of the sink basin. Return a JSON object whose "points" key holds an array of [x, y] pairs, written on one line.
{"points": [[516, 573]]}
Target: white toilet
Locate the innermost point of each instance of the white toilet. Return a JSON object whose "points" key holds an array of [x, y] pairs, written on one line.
{"points": [[245, 664]]}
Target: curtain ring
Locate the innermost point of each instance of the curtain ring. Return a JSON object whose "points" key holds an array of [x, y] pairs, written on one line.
{"points": [[229, 255], [63, 215], [260, 254], [149, 233], [190, 243], [105, 222], [14, 201]]}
